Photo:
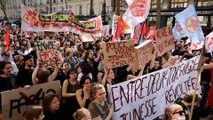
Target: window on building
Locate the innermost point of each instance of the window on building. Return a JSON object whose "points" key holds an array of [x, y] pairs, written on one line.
{"points": [[62, 8], [54, 9], [179, 3], [154, 4], [80, 10], [48, 1], [70, 7], [47, 9], [54, 1], [35, 2], [100, 7], [203, 20], [204, 3], [61, 0], [40, 2], [88, 9]]}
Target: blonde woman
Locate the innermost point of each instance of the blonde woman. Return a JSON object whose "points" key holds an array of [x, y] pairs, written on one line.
{"points": [[82, 114], [99, 107], [174, 112]]}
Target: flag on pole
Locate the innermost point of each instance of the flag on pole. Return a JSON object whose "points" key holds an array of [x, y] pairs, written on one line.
{"points": [[137, 12], [178, 31], [188, 20], [139, 33], [119, 29], [151, 33], [7, 38]]}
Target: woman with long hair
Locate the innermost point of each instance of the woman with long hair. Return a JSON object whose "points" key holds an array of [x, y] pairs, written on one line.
{"points": [[33, 112], [51, 106], [99, 107], [62, 73], [43, 75], [83, 94], [5, 78], [69, 88]]}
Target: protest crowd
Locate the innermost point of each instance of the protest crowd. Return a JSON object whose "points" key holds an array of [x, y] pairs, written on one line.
{"points": [[85, 76]]}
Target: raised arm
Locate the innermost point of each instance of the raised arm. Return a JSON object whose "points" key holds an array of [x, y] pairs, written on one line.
{"points": [[81, 101], [103, 81], [208, 66], [54, 74], [35, 72]]}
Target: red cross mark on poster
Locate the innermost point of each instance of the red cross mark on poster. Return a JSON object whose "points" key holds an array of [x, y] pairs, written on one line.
{"points": [[138, 8], [192, 24]]}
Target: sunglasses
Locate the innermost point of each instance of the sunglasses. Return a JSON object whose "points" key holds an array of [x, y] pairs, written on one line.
{"points": [[179, 112]]}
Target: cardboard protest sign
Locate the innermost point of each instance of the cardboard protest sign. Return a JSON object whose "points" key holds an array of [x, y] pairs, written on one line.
{"points": [[47, 54], [145, 97], [164, 40], [117, 54], [14, 102], [144, 53], [86, 37]]}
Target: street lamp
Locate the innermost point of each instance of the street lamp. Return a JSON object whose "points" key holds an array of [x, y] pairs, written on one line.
{"points": [[91, 8], [104, 12]]}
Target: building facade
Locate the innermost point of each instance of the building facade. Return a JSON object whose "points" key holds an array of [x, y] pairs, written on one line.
{"points": [[168, 8], [78, 7], [164, 9]]}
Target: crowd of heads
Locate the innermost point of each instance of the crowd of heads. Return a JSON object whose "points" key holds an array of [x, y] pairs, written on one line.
{"points": [[82, 65]]}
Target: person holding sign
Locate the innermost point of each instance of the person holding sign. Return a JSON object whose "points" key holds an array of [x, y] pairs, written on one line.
{"points": [[42, 74], [99, 107]]}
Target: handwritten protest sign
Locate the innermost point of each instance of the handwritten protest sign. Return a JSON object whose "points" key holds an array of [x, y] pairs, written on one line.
{"points": [[164, 40], [117, 54], [58, 22], [145, 97], [144, 53], [14, 102], [86, 37], [47, 54]]}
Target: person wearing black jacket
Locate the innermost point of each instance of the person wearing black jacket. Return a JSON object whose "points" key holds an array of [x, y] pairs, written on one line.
{"points": [[24, 76], [186, 103]]}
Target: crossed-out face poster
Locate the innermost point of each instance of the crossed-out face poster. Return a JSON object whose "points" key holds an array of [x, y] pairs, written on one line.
{"points": [[58, 22]]}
